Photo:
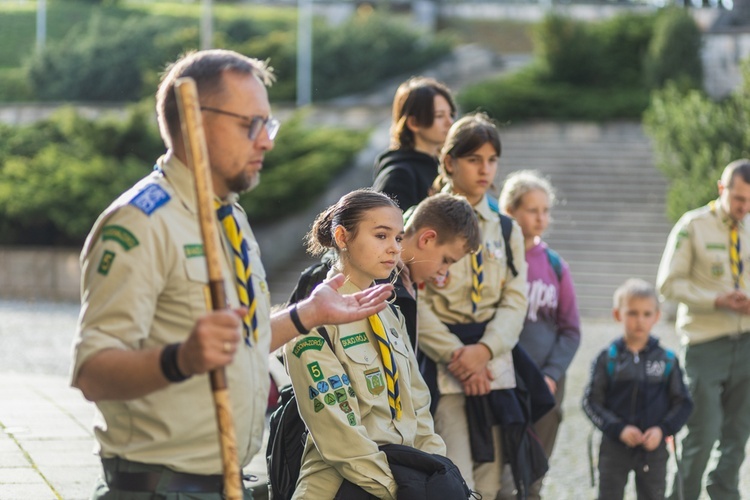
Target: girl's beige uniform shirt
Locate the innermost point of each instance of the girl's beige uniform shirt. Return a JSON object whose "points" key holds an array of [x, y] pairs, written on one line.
{"points": [[343, 400]]}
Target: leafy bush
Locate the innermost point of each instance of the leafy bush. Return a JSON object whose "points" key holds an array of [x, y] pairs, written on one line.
{"points": [[391, 48], [58, 175], [297, 170], [112, 58], [674, 52], [586, 71], [13, 85], [694, 139], [527, 94], [606, 53], [339, 68], [105, 61]]}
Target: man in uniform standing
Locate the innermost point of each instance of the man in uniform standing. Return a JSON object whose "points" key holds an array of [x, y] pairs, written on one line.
{"points": [[146, 338], [704, 269]]}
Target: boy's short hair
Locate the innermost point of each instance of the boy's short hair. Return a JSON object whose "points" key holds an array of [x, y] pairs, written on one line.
{"points": [[450, 215], [737, 168], [634, 288]]}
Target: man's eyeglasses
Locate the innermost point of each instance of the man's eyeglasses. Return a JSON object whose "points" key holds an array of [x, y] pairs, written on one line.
{"points": [[256, 123]]}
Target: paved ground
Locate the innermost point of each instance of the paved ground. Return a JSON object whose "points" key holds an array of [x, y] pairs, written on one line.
{"points": [[45, 427]]}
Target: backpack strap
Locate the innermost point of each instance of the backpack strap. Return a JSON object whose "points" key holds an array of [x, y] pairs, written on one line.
{"points": [[670, 363], [323, 333], [611, 360], [506, 225], [555, 261]]}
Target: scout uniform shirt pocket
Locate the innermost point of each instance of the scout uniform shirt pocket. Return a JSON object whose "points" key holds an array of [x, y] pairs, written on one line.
{"points": [[365, 370], [198, 294]]}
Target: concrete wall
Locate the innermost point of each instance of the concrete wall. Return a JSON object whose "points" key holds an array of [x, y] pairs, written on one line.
{"points": [[39, 273]]}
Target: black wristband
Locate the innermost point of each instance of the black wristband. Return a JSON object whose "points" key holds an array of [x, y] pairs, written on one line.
{"points": [[294, 315], [169, 366]]}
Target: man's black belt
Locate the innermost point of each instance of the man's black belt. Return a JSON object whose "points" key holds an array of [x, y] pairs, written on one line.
{"points": [[175, 482]]}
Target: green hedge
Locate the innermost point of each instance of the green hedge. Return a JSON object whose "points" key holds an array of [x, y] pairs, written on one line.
{"points": [[58, 175], [592, 70], [117, 58], [526, 95]]}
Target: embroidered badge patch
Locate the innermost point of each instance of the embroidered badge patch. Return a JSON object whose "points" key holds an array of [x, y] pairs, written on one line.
{"points": [[313, 392], [345, 407], [151, 198], [323, 386], [356, 339], [105, 264], [194, 250], [716, 246], [340, 395], [121, 235], [303, 345], [352, 419], [351, 393], [717, 269], [330, 399], [335, 381], [317, 405], [315, 371], [345, 379], [375, 382], [683, 234], [441, 281], [394, 332]]}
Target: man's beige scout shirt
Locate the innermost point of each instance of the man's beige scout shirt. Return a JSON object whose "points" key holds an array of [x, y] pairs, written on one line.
{"points": [[695, 268], [343, 400], [503, 304], [144, 284]]}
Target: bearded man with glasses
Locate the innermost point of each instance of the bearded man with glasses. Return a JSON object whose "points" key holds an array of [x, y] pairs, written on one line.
{"points": [[146, 339]]}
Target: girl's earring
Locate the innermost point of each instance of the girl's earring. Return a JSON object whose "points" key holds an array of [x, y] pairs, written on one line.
{"points": [[344, 249]]}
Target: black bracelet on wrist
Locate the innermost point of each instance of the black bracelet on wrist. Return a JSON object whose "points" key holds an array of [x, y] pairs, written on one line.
{"points": [[294, 315], [168, 363]]}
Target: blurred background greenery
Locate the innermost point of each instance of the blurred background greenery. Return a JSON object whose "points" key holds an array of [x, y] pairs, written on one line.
{"points": [[58, 174]]}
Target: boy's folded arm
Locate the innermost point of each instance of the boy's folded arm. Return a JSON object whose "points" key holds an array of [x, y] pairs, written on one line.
{"points": [[593, 401]]}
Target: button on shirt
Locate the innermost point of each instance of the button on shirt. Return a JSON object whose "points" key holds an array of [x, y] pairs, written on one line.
{"points": [[150, 295]]}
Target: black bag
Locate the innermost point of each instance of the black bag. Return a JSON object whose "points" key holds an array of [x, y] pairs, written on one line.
{"points": [[418, 474], [286, 442]]}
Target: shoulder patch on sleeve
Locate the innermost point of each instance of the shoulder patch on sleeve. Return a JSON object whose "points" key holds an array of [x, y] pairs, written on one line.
{"points": [[120, 235], [152, 197], [105, 264], [315, 343]]}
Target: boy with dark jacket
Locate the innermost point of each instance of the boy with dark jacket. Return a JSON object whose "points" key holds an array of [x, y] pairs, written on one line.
{"points": [[636, 397]]}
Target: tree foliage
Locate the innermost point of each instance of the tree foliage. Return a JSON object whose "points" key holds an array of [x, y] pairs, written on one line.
{"points": [[592, 70], [57, 176], [695, 138]]}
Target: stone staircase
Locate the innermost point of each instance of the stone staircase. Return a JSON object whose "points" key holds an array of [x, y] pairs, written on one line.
{"points": [[609, 221]]}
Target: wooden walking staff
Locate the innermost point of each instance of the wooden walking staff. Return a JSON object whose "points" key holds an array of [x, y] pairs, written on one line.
{"points": [[197, 155]]}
